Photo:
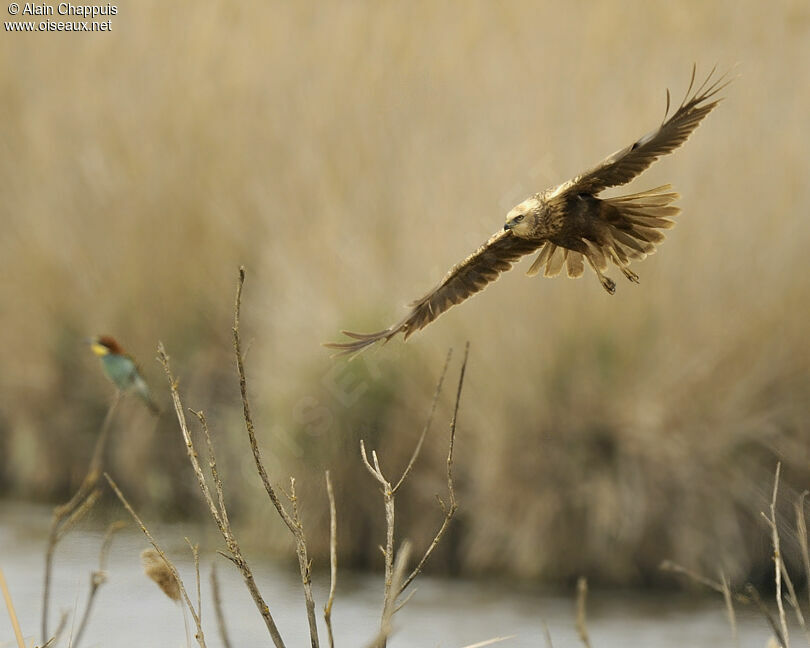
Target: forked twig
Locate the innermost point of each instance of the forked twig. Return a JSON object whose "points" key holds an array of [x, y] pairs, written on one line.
{"points": [[219, 515], [393, 590]]}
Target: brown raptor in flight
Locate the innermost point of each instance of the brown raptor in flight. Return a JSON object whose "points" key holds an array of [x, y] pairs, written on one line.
{"points": [[570, 225]]}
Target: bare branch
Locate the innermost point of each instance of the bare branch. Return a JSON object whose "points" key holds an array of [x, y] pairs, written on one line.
{"points": [[452, 506], [69, 513], [199, 636], [327, 609], [425, 430], [254, 446], [195, 553], [212, 465], [777, 558], [163, 357], [220, 516], [97, 578], [305, 567], [390, 603], [293, 521]]}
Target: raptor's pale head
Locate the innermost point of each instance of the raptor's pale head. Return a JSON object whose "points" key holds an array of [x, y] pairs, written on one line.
{"points": [[522, 219]]}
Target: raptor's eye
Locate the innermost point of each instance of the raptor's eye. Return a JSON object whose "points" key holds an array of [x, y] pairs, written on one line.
{"points": [[519, 218]]}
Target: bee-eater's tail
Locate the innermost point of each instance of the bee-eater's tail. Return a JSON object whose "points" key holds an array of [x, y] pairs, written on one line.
{"points": [[142, 389]]}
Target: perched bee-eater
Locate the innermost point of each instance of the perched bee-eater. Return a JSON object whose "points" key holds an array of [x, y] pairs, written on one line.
{"points": [[121, 368]]}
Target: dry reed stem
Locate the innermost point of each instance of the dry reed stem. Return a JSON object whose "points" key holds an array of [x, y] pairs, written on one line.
{"points": [[220, 515], [223, 632], [327, 609], [777, 557], [97, 578], [732, 617], [582, 621], [293, 522], [11, 613], [68, 514], [200, 636]]}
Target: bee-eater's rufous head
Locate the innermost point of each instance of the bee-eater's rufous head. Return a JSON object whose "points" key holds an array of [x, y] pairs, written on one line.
{"points": [[103, 345]]}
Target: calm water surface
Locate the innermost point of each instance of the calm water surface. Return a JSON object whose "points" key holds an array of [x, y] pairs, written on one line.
{"points": [[131, 612]]}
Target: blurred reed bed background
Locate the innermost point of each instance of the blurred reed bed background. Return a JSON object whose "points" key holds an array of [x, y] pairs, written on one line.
{"points": [[348, 155]]}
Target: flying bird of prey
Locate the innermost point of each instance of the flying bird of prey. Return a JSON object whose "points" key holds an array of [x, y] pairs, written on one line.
{"points": [[570, 225]]}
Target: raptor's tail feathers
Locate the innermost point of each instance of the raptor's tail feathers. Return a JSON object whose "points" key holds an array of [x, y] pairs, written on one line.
{"points": [[635, 223]]}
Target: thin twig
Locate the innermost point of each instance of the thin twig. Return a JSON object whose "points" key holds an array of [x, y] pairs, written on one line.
{"points": [[212, 465], [293, 522], [426, 429], [732, 617], [251, 430], [220, 517], [327, 609], [452, 506], [68, 514], [223, 632], [199, 636], [195, 553], [305, 567], [97, 578], [777, 557], [757, 599], [582, 623]]}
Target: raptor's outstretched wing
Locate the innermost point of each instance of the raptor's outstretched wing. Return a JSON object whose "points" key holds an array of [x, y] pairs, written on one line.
{"points": [[463, 280], [627, 163]]}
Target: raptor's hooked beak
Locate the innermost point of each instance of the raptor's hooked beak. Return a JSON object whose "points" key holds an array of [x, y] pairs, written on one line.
{"points": [[507, 225]]}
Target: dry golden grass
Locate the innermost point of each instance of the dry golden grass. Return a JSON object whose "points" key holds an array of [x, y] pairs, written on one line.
{"points": [[348, 155]]}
